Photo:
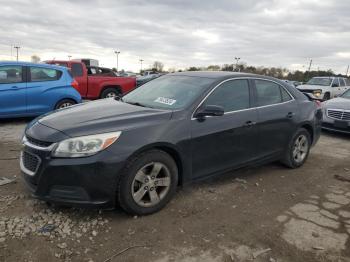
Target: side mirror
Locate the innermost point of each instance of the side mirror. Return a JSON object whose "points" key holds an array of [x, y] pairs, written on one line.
{"points": [[209, 110]]}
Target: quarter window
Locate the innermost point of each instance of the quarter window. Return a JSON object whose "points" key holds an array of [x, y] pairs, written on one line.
{"points": [[40, 74], [10, 74], [347, 82], [269, 93], [77, 69], [232, 95]]}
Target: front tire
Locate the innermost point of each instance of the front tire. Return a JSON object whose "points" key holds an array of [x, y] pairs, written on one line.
{"points": [[147, 183], [298, 149]]}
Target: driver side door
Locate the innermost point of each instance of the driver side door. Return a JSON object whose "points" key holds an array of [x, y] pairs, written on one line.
{"points": [[227, 141]]}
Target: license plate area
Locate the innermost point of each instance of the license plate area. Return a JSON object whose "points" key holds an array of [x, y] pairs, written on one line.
{"points": [[341, 124]]}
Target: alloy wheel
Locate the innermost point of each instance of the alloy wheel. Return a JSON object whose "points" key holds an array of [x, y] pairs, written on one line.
{"points": [[151, 184], [64, 105], [300, 149], [111, 94]]}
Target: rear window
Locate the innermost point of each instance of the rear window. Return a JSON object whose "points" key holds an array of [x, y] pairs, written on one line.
{"points": [[77, 69], [40, 74]]}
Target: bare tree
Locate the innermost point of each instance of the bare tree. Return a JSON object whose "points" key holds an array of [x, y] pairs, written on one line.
{"points": [[158, 66], [35, 59]]}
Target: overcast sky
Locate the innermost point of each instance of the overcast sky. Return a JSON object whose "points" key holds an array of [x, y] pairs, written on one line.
{"points": [[181, 33]]}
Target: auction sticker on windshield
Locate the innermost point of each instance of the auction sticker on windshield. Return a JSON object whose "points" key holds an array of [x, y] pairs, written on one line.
{"points": [[164, 100]]}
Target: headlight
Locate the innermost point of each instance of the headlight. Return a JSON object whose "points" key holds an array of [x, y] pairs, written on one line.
{"points": [[317, 93], [85, 145]]}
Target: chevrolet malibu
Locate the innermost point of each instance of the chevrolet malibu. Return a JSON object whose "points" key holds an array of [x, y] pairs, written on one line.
{"points": [[134, 151]]}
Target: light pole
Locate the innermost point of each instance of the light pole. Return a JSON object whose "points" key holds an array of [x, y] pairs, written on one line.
{"points": [[69, 57], [117, 53], [347, 70], [237, 59], [17, 48], [141, 60]]}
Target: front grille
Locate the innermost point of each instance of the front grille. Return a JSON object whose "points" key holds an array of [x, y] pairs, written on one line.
{"points": [[38, 142], [30, 162], [339, 114]]}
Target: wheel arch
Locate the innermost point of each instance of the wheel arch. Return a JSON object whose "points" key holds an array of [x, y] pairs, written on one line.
{"points": [[65, 98], [310, 130]]}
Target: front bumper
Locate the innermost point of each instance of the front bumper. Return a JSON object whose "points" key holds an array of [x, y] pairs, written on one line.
{"points": [[81, 182], [335, 125]]}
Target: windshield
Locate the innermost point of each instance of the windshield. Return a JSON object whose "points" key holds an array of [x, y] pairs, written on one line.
{"points": [[168, 92], [346, 94], [320, 81]]}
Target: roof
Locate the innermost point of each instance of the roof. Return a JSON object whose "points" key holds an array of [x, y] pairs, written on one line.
{"points": [[30, 64], [213, 74]]}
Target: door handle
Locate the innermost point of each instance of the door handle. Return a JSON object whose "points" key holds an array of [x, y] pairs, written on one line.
{"points": [[249, 123], [290, 115]]}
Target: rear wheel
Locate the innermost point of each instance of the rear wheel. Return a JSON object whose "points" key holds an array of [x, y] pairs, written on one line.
{"points": [[110, 92], [148, 183], [298, 149], [64, 103]]}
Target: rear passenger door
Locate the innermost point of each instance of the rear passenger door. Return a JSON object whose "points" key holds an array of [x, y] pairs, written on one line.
{"points": [[277, 113], [12, 90], [43, 89]]}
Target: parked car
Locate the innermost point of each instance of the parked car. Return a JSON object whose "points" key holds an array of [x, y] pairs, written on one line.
{"points": [[336, 115], [98, 85], [173, 130], [326, 87], [146, 77], [293, 83], [28, 89]]}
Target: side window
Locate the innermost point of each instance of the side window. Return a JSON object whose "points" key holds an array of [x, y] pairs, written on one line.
{"points": [[40, 74], [10, 74], [347, 82], [77, 69], [341, 81], [268, 93], [285, 96], [335, 82], [232, 95]]}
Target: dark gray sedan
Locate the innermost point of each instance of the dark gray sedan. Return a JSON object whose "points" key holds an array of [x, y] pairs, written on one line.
{"points": [[336, 115], [133, 152]]}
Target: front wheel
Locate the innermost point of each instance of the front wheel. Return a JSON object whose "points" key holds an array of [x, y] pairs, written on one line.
{"points": [[148, 183], [298, 149]]}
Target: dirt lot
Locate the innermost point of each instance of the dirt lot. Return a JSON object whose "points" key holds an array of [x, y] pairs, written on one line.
{"points": [[266, 213]]}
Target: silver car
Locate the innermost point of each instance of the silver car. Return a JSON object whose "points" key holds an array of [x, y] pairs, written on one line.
{"points": [[336, 113]]}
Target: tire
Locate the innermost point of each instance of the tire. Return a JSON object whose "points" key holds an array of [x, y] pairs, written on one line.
{"points": [[65, 103], [110, 92], [296, 154], [134, 196], [326, 96]]}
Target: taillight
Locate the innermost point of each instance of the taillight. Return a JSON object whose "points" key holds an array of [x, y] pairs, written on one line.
{"points": [[75, 84]]}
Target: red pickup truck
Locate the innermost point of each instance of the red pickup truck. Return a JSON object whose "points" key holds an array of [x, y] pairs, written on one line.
{"points": [[94, 82]]}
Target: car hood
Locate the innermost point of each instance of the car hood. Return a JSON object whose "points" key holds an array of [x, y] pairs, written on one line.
{"points": [[101, 116], [310, 87], [338, 103]]}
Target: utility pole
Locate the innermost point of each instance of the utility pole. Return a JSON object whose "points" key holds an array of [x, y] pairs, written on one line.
{"points": [[117, 53], [347, 71], [237, 59], [310, 65], [17, 48], [141, 60], [69, 57]]}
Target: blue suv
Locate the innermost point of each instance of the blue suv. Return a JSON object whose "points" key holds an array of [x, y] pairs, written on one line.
{"points": [[28, 89]]}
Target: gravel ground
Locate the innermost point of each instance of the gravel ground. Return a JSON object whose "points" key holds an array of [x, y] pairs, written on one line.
{"points": [[266, 213]]}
